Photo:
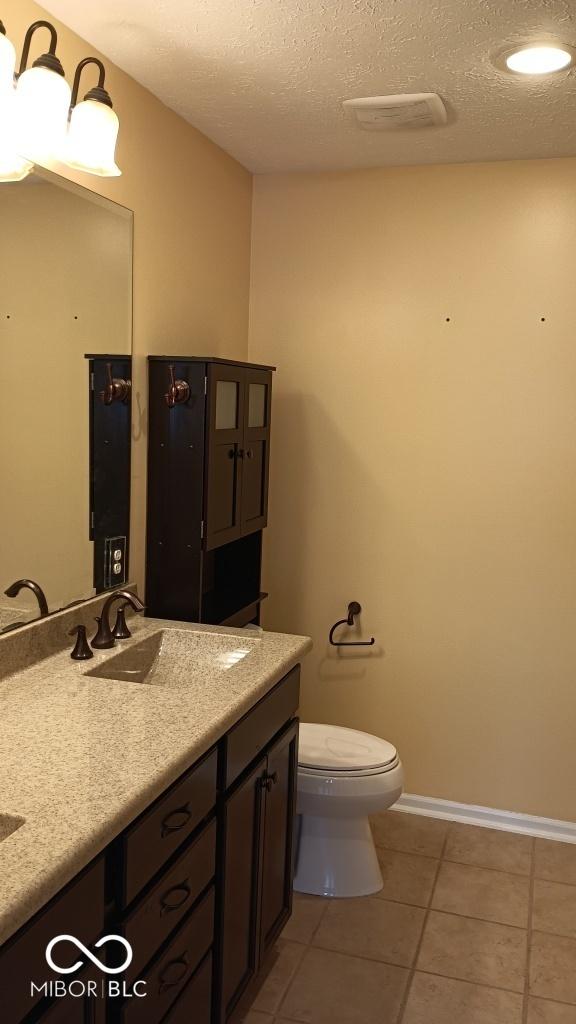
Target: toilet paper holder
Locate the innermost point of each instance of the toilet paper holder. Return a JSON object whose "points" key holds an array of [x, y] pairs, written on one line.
{"points": [[353, 609]]}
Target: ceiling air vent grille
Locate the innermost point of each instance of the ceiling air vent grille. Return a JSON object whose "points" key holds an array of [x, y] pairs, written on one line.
{"points": [[385, 113]]}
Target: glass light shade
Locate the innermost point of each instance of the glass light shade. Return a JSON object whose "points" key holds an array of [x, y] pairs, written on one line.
{"points": [[12, 166], [539, 60], [7, 63], [42, 103], [92, 139]]}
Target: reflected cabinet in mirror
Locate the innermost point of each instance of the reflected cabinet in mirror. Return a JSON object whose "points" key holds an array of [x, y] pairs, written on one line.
{"points": [[65, 395]]}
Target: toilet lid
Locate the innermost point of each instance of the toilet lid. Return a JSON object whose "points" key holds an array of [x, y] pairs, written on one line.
{"points": [[337, 749]]}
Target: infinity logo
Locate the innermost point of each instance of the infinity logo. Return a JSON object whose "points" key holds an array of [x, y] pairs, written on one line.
{"points": [[82, 947]]}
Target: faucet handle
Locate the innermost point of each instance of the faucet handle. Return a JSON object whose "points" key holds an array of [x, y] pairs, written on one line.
{"points": [[121, 631], [81, 651], [103, 638]]}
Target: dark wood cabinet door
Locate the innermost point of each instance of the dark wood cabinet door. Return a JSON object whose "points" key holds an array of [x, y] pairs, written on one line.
{"points": [[241, 891], [224, 454], [256, 449], [278, 846], [175, 492]]}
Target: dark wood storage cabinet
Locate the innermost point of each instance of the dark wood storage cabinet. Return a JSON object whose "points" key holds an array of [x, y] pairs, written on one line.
{"points": [[200, 885], [208, 465]]}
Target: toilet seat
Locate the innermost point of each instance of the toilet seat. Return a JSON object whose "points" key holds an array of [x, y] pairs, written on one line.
{"points": [[358, 773], [332, 750]]}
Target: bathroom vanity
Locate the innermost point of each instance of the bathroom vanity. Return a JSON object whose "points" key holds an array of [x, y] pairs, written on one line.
{"points": [[198, 878]]}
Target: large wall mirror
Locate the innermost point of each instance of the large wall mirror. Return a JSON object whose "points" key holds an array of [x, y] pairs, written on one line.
{"points": [[65, 372]]}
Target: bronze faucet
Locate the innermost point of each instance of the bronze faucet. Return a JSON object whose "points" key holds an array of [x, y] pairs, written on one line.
{"points": [[15, 589], [104, 637]]}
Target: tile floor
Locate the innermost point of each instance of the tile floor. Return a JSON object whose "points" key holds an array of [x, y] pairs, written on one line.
{"points": [[472, 926]]}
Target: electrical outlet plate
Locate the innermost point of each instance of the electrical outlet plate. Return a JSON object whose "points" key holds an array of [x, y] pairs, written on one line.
{"points": [[407, 110], [114, 561]]}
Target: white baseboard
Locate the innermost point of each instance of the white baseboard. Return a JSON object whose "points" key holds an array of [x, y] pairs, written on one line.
{"points": [[487, 817]]}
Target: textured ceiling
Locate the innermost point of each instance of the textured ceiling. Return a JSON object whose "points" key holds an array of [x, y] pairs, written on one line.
{"points": [[266, 78]]}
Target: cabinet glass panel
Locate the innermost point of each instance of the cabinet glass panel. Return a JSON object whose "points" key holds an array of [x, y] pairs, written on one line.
{"points": [[226, 405], [257, 405]]}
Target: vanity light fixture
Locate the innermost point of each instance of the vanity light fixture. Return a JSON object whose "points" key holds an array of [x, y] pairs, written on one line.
{"points": [[12, 166], [41, 120], [42, 101], [540, 59], [93, 128], [7, 61]]}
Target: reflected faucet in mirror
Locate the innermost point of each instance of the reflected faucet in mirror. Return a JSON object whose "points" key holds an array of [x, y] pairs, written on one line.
{"points": [[36, 589]]}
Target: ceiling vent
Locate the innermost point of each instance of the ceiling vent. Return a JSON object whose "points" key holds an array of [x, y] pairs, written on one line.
{"points": [[385, 113]]}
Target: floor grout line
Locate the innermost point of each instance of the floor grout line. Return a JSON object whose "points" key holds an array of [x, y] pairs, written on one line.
{"points": [[486, 867], [470, 917], [529, 937], [410, 981], [307, 946]]}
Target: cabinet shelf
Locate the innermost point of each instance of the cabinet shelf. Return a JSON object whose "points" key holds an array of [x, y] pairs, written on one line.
{"points": [[242, 616]]}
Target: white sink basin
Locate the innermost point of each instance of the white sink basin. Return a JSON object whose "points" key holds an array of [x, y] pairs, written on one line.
{"points": [[175, 657]]}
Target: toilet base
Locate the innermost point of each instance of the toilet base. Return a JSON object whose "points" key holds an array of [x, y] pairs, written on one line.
{"points": [[336, 857]]}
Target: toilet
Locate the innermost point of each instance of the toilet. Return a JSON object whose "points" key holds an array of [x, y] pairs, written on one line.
{"points": [[343, 777]]}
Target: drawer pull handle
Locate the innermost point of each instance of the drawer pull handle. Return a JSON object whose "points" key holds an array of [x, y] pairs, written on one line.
{"points": [[164, 901], [267, 781], [168, 978], [175, 820]]}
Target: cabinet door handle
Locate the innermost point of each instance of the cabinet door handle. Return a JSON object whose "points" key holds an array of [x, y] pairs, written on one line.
{"points": [[240, 453], [249, 454], [167, 906], [267, 781], [180, 815], [165, 981]]}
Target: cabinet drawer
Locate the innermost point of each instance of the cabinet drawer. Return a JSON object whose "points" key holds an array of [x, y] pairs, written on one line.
{"points": [[67, 1010], [194, 1004], [247, 739], [160, 831], [160, 912], [173, 970], [78, 911]]}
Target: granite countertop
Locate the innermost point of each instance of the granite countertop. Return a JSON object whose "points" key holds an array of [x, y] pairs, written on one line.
{"points": [[81, 757]]}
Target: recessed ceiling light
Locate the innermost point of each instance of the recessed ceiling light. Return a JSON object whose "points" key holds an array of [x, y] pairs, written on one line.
{"points": [[539, 60]]}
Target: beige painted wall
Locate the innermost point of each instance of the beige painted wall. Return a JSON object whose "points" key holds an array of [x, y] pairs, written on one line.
{"points": [[192, 208], [426, 466]]}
